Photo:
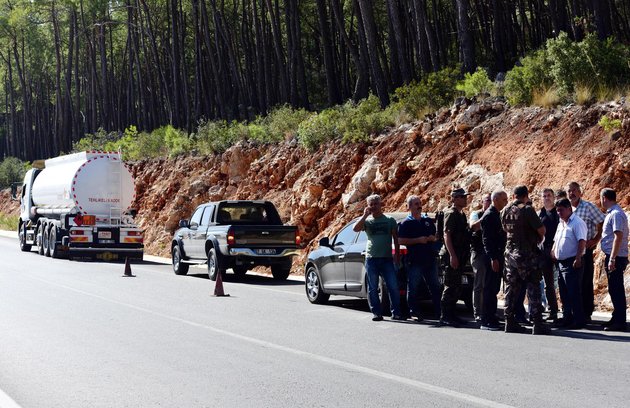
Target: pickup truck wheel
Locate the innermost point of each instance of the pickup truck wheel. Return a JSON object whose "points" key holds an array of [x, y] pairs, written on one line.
{"points": [[280, 272], [24, 247], [239, 271], [179, 267], [313, 286], [213, 265]]}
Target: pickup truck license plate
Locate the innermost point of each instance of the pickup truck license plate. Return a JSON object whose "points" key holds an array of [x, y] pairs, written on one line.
{"points": [[266, 251], [104, 235]]}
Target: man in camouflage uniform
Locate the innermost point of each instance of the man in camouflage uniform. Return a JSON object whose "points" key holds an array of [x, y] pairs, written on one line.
{"points": [[522, 260], [454, 254]]}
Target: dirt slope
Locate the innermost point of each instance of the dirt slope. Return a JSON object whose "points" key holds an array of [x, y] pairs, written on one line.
{"points": [[480, 146]]}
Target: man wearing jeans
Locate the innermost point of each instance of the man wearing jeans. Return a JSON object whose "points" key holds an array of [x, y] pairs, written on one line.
{"points": [[569, 245], [615, 245], [417, 233], [380, 230]]}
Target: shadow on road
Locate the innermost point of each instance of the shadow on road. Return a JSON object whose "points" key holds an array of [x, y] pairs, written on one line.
{"points": [[250, 279]]}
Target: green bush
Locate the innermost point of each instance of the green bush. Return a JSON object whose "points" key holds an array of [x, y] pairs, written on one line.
{"points": [[216, 137], [609, 124], [283, 122], [361, 120], [320, 128], [475, 83], [177, 141], [434, 90], [97, 141], [11, 171], [567, 65], [521, 81]]}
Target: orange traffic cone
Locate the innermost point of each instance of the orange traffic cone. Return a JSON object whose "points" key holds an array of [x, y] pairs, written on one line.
{"points": [[218, 287], [128, 273]]}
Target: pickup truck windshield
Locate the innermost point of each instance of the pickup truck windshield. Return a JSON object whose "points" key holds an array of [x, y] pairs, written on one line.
{"points": [[248, 213]]}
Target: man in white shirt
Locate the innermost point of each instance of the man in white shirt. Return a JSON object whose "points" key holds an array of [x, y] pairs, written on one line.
{"points": [[568, 249]]}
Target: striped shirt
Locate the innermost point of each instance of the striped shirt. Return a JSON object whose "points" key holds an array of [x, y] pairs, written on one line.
{"points": [[591, 215]]}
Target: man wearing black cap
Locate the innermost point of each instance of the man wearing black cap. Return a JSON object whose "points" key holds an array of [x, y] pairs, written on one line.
{"points": [[522, 260], [454, 254]]}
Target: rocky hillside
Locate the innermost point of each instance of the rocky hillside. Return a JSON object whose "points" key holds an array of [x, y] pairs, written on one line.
{"points": [[480, 146]]}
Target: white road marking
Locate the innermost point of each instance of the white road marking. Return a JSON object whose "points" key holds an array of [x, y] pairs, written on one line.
{"points": [[311, 356], [7, 402]]}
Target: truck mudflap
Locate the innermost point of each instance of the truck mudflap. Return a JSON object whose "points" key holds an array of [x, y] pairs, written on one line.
{"points": [[105, 254]]}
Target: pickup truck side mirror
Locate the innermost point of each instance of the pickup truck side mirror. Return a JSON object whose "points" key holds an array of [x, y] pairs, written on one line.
{"points": [[324, 242], [183, 224]]}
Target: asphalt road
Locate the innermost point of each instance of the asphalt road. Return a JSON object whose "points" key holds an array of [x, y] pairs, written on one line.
{"points": [[77, 334]]}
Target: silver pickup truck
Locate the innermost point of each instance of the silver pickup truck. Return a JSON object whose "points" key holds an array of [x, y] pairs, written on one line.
{"points": [[236, 234]]}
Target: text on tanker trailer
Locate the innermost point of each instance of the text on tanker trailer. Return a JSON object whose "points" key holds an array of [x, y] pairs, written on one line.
{"points": [[79, 206]]}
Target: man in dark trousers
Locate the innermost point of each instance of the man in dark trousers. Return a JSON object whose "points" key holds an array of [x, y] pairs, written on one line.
{"points": [[454, 255], [494, 240], [615, 245], [550, 219], [522, 257], [417, 233], [594, 218]]}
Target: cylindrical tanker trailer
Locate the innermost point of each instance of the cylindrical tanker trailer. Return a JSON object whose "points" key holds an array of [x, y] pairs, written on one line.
{"points": [[79, 206]]}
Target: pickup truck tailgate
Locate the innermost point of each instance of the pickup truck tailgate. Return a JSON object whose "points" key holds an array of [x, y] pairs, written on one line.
{"points": [[263, 235]]}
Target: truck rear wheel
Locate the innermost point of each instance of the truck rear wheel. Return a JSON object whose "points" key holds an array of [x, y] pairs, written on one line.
{"points": [[24, 247], [39, 236], [213, 265], [46, 240], [52, 242], [179, 267]]}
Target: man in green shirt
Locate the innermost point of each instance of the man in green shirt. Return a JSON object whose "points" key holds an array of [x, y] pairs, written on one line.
{"points": [[380, 230]]}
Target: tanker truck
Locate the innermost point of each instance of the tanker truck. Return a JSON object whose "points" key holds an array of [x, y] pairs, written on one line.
{"points": [[79, 206]]}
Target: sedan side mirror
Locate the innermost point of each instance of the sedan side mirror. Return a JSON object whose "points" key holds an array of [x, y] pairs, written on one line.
{"points": [[324, 242], [183, 224]]}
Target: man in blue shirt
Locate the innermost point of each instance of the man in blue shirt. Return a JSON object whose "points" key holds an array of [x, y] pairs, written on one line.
{"points": [[417, 233], [569, 246], [615, 245]]}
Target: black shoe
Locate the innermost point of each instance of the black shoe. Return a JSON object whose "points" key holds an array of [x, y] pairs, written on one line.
{"points": [[620, 327], [491, 326], [396, 317], [513, 327], [448, 322], [574, 326], [608, 323], [377, 318], [540, 328]]}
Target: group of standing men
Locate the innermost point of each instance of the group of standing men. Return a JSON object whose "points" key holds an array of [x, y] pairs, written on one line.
{"points": [[509, 242]]}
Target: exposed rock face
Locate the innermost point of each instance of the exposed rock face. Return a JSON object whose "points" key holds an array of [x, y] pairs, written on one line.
{"points": [[480, 146]]}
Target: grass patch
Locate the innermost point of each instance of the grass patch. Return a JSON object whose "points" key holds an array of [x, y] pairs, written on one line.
{"points": [[546, 97], [584, 94], [8, 222]]}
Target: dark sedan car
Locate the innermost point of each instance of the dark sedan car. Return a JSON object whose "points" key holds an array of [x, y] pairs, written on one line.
{"points": [[336, 267]]}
